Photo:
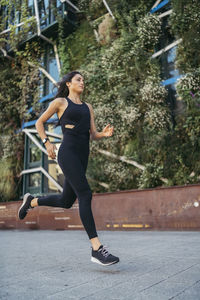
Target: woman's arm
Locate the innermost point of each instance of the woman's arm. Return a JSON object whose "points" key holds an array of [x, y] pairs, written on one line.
{"points": [[95, 135], [52, 109]]}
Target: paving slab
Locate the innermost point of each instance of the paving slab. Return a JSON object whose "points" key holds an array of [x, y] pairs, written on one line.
{"points": [[55, 265]]}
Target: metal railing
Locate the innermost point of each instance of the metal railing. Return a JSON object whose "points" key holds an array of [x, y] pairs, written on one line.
{"points": [[29, 133]]}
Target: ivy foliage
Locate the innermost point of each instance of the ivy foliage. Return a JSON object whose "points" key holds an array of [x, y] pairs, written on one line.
{"points": [[123, 85], [19, 91], [185, 24], [122, 82]]}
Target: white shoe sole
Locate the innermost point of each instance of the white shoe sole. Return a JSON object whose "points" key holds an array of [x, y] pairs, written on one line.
{"points": [[24, 201], [93, 259]]}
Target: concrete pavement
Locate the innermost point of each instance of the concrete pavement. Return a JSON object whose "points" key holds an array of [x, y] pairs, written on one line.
{"points": [[45, 264]]}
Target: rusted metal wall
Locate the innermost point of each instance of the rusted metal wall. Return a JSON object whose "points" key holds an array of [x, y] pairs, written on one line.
{"points": [[170, 208]]}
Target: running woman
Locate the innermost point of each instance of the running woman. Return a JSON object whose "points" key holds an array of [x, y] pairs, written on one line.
{"points": [[77, 123]]}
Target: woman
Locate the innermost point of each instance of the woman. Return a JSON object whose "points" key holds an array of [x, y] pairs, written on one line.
{"points": [[77, 122]]}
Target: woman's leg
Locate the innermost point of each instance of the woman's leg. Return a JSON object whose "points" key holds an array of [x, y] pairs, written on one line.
{"points": [[65, 200], [74, 172]]}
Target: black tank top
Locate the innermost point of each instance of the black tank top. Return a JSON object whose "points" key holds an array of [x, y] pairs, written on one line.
{"points": [[77, 115]]}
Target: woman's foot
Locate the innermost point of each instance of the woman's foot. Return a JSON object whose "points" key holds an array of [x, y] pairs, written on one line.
{"points": [[103, 257], [26, 205]]}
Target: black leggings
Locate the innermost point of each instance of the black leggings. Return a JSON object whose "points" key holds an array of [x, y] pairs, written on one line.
{"points": [[73, 158]]}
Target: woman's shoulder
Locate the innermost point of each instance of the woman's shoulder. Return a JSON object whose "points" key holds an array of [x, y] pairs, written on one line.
{"points": [[89, 105], [60, 100]]}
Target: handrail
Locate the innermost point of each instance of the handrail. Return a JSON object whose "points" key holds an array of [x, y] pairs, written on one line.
{"points": [[168, 47], [41, 169]]}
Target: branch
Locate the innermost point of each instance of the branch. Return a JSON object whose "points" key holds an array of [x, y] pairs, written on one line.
{"points": [[128, 161]]}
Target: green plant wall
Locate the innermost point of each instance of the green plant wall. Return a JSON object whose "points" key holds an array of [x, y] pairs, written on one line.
{"points": [[19, 91], [122, 82], [123, 85]]}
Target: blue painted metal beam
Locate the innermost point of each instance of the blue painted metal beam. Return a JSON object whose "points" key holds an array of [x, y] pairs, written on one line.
{"points": [[159, 6], [170, 80], [31, 123], [43, 99]]}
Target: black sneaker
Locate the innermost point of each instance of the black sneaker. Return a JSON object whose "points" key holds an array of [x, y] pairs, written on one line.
{"points": [[26, 205], [103, 257]]}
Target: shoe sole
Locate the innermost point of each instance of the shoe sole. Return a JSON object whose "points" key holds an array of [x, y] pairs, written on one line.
{"points": [[24, 201], [93, 259]]}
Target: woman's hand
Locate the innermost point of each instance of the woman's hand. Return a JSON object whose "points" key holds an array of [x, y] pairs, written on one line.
{"points": [[108, 131], [51, 149]]}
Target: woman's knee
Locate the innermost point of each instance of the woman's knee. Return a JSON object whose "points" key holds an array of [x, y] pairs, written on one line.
{"points": [[66, 204], [86, 195]]}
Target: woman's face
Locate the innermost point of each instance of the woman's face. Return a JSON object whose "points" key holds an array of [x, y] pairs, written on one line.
{"points": [[77, 84]]}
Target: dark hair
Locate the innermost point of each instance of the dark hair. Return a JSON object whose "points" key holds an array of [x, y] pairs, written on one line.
{"points": [[63, 90]]}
